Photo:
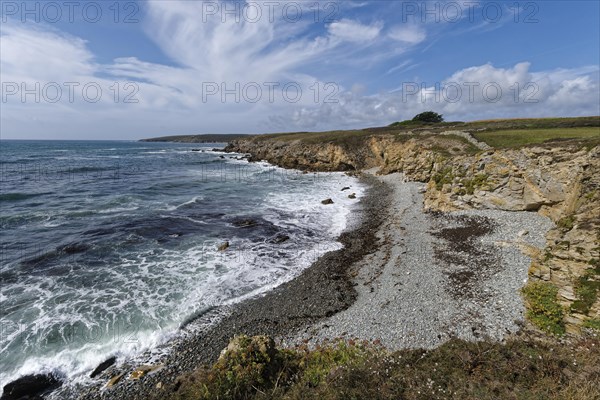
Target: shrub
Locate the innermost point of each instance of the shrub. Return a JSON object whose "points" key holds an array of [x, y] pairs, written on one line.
{"points": [[429, 116], [544, 310]]}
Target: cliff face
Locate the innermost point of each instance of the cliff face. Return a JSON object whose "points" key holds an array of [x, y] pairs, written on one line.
{"points": [[299, 155], [561, 182]]}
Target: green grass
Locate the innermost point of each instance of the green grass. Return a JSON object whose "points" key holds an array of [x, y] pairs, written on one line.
{"points": [[533, 123], [566, 223], [338, 137], [543, 308], [593, 323], [524, 137], [442, 177], [497, 133], [516, 369], [586, 288]]}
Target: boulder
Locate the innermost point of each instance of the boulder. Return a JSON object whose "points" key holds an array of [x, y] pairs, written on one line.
{"points": [[352, 196], [114, 380], [30, 387], [224, 246], [144, 370], [327, 201]]}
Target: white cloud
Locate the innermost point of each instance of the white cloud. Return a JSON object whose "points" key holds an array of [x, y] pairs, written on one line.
{"points": [[353, 31], [45, 54], [410, 34], [170, 98], [565, 92]]}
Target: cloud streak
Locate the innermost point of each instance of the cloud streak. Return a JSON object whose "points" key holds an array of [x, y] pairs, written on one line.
{"points": [[246, 56]]}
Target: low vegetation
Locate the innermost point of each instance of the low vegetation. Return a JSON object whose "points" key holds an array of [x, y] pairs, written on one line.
{"points": [[593, 323], [566, 223], [524, 137], [544, 311], [504, 133], [587, 288], [523, 369]]}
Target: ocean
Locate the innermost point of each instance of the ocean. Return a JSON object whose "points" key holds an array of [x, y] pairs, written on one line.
{"points": [[109, 247]]}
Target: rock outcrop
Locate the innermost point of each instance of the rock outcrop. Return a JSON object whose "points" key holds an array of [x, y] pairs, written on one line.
{"points": [[560, 181]]}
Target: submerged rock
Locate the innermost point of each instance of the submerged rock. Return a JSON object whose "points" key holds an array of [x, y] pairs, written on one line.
{"points": [[327, 201], [352, 196], [30, 387], [280, 239], [345, 188], [223, 246], [243, 223]]}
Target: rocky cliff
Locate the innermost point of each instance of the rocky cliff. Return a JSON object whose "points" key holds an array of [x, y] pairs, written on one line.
{"points": [[559, 180]]}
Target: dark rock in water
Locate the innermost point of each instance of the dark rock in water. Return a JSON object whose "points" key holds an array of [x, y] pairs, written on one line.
{"points": [[73, 248], [327, 201], [221, 156], [352, 196], [196, 149], [243, 223], [30, 387], [280, 239], [346, 188], [103, 366], [224, 246]]}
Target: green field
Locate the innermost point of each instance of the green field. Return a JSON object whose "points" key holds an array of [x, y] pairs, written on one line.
{"points": [[501, 133], [523, 137]]}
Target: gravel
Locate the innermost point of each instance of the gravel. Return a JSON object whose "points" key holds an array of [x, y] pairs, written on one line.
{"points": [[437, 276]]}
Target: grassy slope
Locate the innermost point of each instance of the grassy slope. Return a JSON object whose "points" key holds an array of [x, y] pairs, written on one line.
{"points": [[522, 137], [517, 369], [497, 133]]}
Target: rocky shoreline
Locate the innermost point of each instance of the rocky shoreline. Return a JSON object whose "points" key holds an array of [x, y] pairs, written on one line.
{"points": [[477, 252], [322, 290], [558, 179], [437, 276]]}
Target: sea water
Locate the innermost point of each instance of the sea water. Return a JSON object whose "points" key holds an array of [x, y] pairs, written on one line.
{"points": [[107, 248]]}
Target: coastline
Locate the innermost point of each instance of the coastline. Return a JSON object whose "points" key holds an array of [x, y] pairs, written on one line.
{"points": [[375, 288], [320, 291], [437, 276]]}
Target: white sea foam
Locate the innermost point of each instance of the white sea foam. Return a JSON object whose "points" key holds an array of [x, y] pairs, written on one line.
{"points": [[163, 288]]}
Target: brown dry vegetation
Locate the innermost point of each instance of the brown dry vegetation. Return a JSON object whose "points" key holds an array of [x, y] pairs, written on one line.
{"points": [[518, 369]]}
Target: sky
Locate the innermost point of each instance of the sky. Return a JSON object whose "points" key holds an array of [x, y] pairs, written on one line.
{"points": [[107, 70]]}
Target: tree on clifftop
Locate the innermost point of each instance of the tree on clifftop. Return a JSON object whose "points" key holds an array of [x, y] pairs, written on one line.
{"points": [[429, 116]]}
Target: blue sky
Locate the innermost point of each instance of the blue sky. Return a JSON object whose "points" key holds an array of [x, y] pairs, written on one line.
{"points": [[161, 67]]}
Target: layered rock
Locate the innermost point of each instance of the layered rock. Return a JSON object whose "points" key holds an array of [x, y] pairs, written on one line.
{"points": [[560, 181]]}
